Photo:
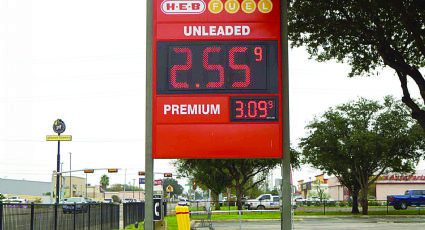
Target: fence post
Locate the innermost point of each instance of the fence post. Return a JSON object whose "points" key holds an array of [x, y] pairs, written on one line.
{"points": [[32, 216], [324, 207], [56, 216], [75, 214], [88, 217], [101, 216], [387, 207], [1, 215], [111, 209]]}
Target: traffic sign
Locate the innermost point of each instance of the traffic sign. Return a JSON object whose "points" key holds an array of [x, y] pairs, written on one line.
{"points": [[158, 182], [142, 180], [58, 138], [169, 188], [59, 126], [217, 79]]}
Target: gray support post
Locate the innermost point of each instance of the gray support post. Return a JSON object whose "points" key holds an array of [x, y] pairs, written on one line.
{"points": [[286, 167], [148, 138]]}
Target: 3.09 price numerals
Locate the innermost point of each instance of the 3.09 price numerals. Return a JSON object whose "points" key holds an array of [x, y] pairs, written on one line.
{"points": [[254, 109]]}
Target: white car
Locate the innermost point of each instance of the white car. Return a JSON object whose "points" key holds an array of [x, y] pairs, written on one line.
{"points": [[300, 200], [14, 199], [184, 202], [129, 200]]}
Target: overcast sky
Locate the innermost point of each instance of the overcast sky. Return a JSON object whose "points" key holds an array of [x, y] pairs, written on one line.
{"points": [[83, 61]]}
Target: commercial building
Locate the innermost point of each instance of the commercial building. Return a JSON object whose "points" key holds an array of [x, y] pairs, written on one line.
{"points": [[390, 184], [25, 189], [313, 187]]}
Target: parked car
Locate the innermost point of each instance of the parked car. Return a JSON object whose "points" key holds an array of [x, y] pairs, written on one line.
{"points": [[183, 202], [108, 200], [91, 200], [129, 200], [14, 199], [300, 200], [265, 201], [410, 198], [77, 204]]}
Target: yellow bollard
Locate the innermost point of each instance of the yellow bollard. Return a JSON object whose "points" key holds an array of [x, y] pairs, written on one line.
{"points": [[183, 221]]}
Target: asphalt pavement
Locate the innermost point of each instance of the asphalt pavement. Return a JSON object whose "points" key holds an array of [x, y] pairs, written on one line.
{"points": [[330, 222]]}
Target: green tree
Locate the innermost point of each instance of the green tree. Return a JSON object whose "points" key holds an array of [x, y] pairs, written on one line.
{"points": [[116, 187], [368, 34], [177, 188], [218, 174], [205, 174], [104, 182], [359, 141]]}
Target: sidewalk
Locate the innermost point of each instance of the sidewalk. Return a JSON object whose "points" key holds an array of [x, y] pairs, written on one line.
{"points": [[330, 222]]}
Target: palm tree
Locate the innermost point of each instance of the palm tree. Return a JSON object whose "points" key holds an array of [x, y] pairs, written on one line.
{"points": [[104, 181]]}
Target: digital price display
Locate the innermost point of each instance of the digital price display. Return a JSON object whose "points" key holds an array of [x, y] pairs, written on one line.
{"points": [[217, 67], [254, 109], [216, 87]]}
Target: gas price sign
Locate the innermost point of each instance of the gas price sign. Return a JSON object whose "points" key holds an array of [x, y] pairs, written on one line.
{"points": [[217, 79]]}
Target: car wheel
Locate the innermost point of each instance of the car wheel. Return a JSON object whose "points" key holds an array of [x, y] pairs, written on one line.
{"points": [[261, 207], [403, 205]]}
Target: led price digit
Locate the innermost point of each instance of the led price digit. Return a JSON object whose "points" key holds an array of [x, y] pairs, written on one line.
{"points": [[239, 67], [207, 66], [176, 68], [239, 109]]}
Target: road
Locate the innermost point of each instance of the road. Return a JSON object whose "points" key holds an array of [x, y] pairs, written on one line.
{"points": [[340, 223]]}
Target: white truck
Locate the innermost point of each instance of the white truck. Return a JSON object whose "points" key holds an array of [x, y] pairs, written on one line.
{"points": [[264, 201]]}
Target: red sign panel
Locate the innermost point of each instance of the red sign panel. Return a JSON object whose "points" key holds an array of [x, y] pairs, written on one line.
{"points": [[216, 79]]}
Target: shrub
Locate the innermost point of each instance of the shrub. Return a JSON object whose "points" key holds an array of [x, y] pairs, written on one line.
{"points": [[330, 203], [116, 199]]}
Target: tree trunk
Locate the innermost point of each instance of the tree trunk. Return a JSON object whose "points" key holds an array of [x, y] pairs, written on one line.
{"points": [[355, 195], [238, 197], [363, 200], [216, 201]]}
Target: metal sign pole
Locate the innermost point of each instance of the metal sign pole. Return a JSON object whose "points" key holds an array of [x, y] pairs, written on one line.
{"points": [[286, 170], [58, 171], [149, 97]]}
